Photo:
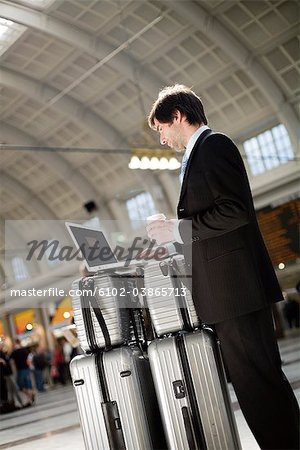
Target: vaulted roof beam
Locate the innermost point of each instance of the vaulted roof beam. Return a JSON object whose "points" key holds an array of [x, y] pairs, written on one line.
{"points": [[57, 164], [26, 196], [73, 109], [14, 235], [123, 63]]}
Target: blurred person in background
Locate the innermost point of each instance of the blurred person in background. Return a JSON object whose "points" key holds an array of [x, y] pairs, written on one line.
{"points": [[67, 352], [39, 361], [58, 364], [19, 356], [13, 392], [4, 404]]}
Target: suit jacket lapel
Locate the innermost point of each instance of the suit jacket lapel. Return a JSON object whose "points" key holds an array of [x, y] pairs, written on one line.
{"points": [[198, 143]]}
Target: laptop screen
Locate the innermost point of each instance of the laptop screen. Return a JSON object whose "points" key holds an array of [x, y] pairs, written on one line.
{"points": [[94, 247]]}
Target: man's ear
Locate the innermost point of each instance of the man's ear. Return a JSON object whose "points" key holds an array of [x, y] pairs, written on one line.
{"points": [[178, 116]]}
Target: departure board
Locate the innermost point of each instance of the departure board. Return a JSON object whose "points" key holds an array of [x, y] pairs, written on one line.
{"points": [[280, 230]]}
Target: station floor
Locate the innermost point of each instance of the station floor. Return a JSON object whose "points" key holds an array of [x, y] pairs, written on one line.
{"points": [[53, 423]]}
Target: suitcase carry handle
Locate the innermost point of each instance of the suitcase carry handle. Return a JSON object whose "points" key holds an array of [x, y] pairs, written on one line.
{"points": [[91, 302]]}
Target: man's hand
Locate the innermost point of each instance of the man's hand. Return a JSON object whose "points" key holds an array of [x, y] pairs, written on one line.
{"points": [[162, 231]]}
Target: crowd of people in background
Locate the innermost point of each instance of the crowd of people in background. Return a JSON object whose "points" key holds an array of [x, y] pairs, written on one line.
{"points": [[25, 370]]}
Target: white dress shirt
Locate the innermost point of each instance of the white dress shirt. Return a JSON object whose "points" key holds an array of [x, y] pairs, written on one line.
{"points": [[186, 156], [190, 145], [189, 148]]}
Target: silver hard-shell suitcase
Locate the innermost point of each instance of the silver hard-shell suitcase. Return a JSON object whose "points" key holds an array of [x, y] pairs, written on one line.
{"points": [[116, 399], [168, 299], [116, 319], [192, 392]]}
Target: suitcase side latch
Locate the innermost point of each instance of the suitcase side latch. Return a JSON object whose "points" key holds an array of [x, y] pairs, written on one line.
{"points": [[179, 389]]}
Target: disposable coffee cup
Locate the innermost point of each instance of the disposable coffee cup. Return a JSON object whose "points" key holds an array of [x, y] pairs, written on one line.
{"points": [[155, 217]]}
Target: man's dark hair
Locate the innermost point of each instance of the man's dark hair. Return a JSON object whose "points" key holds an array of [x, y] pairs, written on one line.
{"points": [[177, 98]]}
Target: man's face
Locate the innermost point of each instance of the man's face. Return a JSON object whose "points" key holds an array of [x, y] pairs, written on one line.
{"points": [[171, 134]]}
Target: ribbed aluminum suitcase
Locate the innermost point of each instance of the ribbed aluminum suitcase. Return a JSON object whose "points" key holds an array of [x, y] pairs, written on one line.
{"points": [[116, 399], [169, 301], [192, 392], [116, 319]]}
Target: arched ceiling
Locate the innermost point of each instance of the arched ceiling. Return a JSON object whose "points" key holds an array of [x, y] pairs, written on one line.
{"points": [[242, 57]]}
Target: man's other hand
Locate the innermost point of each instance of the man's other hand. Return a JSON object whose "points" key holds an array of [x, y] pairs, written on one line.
{"points": [[162, 231]]}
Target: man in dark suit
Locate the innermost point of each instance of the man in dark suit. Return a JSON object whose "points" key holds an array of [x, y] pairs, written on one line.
{"points": [[233, 281]]}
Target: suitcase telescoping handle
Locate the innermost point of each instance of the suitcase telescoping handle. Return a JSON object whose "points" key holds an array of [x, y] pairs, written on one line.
{"points": [[113, 425], [192, 422], [110, 410], [134, 314], [171, 269], [149, 331], [88, 302], [188, 428]]}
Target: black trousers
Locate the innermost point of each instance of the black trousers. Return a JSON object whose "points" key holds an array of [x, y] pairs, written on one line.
{"points": [[252, 358]]}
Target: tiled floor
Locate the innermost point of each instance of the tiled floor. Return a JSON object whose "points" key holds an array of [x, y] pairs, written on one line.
{"points": [[53, 424]]}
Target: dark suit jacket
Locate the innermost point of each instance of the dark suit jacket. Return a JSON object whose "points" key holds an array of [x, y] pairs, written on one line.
{"points": [[232, 273]]}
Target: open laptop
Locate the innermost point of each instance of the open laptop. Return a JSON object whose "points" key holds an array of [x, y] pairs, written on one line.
{"points": [[96, 250]]}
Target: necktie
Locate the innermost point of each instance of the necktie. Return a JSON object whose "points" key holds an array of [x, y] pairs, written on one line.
{"points": [[183, 167]]}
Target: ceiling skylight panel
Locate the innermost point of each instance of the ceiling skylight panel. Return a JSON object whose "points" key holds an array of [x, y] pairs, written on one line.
{"points": [[36, 4], [9, 33]]}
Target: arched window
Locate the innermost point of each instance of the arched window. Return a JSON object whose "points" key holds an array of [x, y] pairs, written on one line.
{"points": [[19, 268], [51, 253], [140, 207], [93, 222], [268, 150]]}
